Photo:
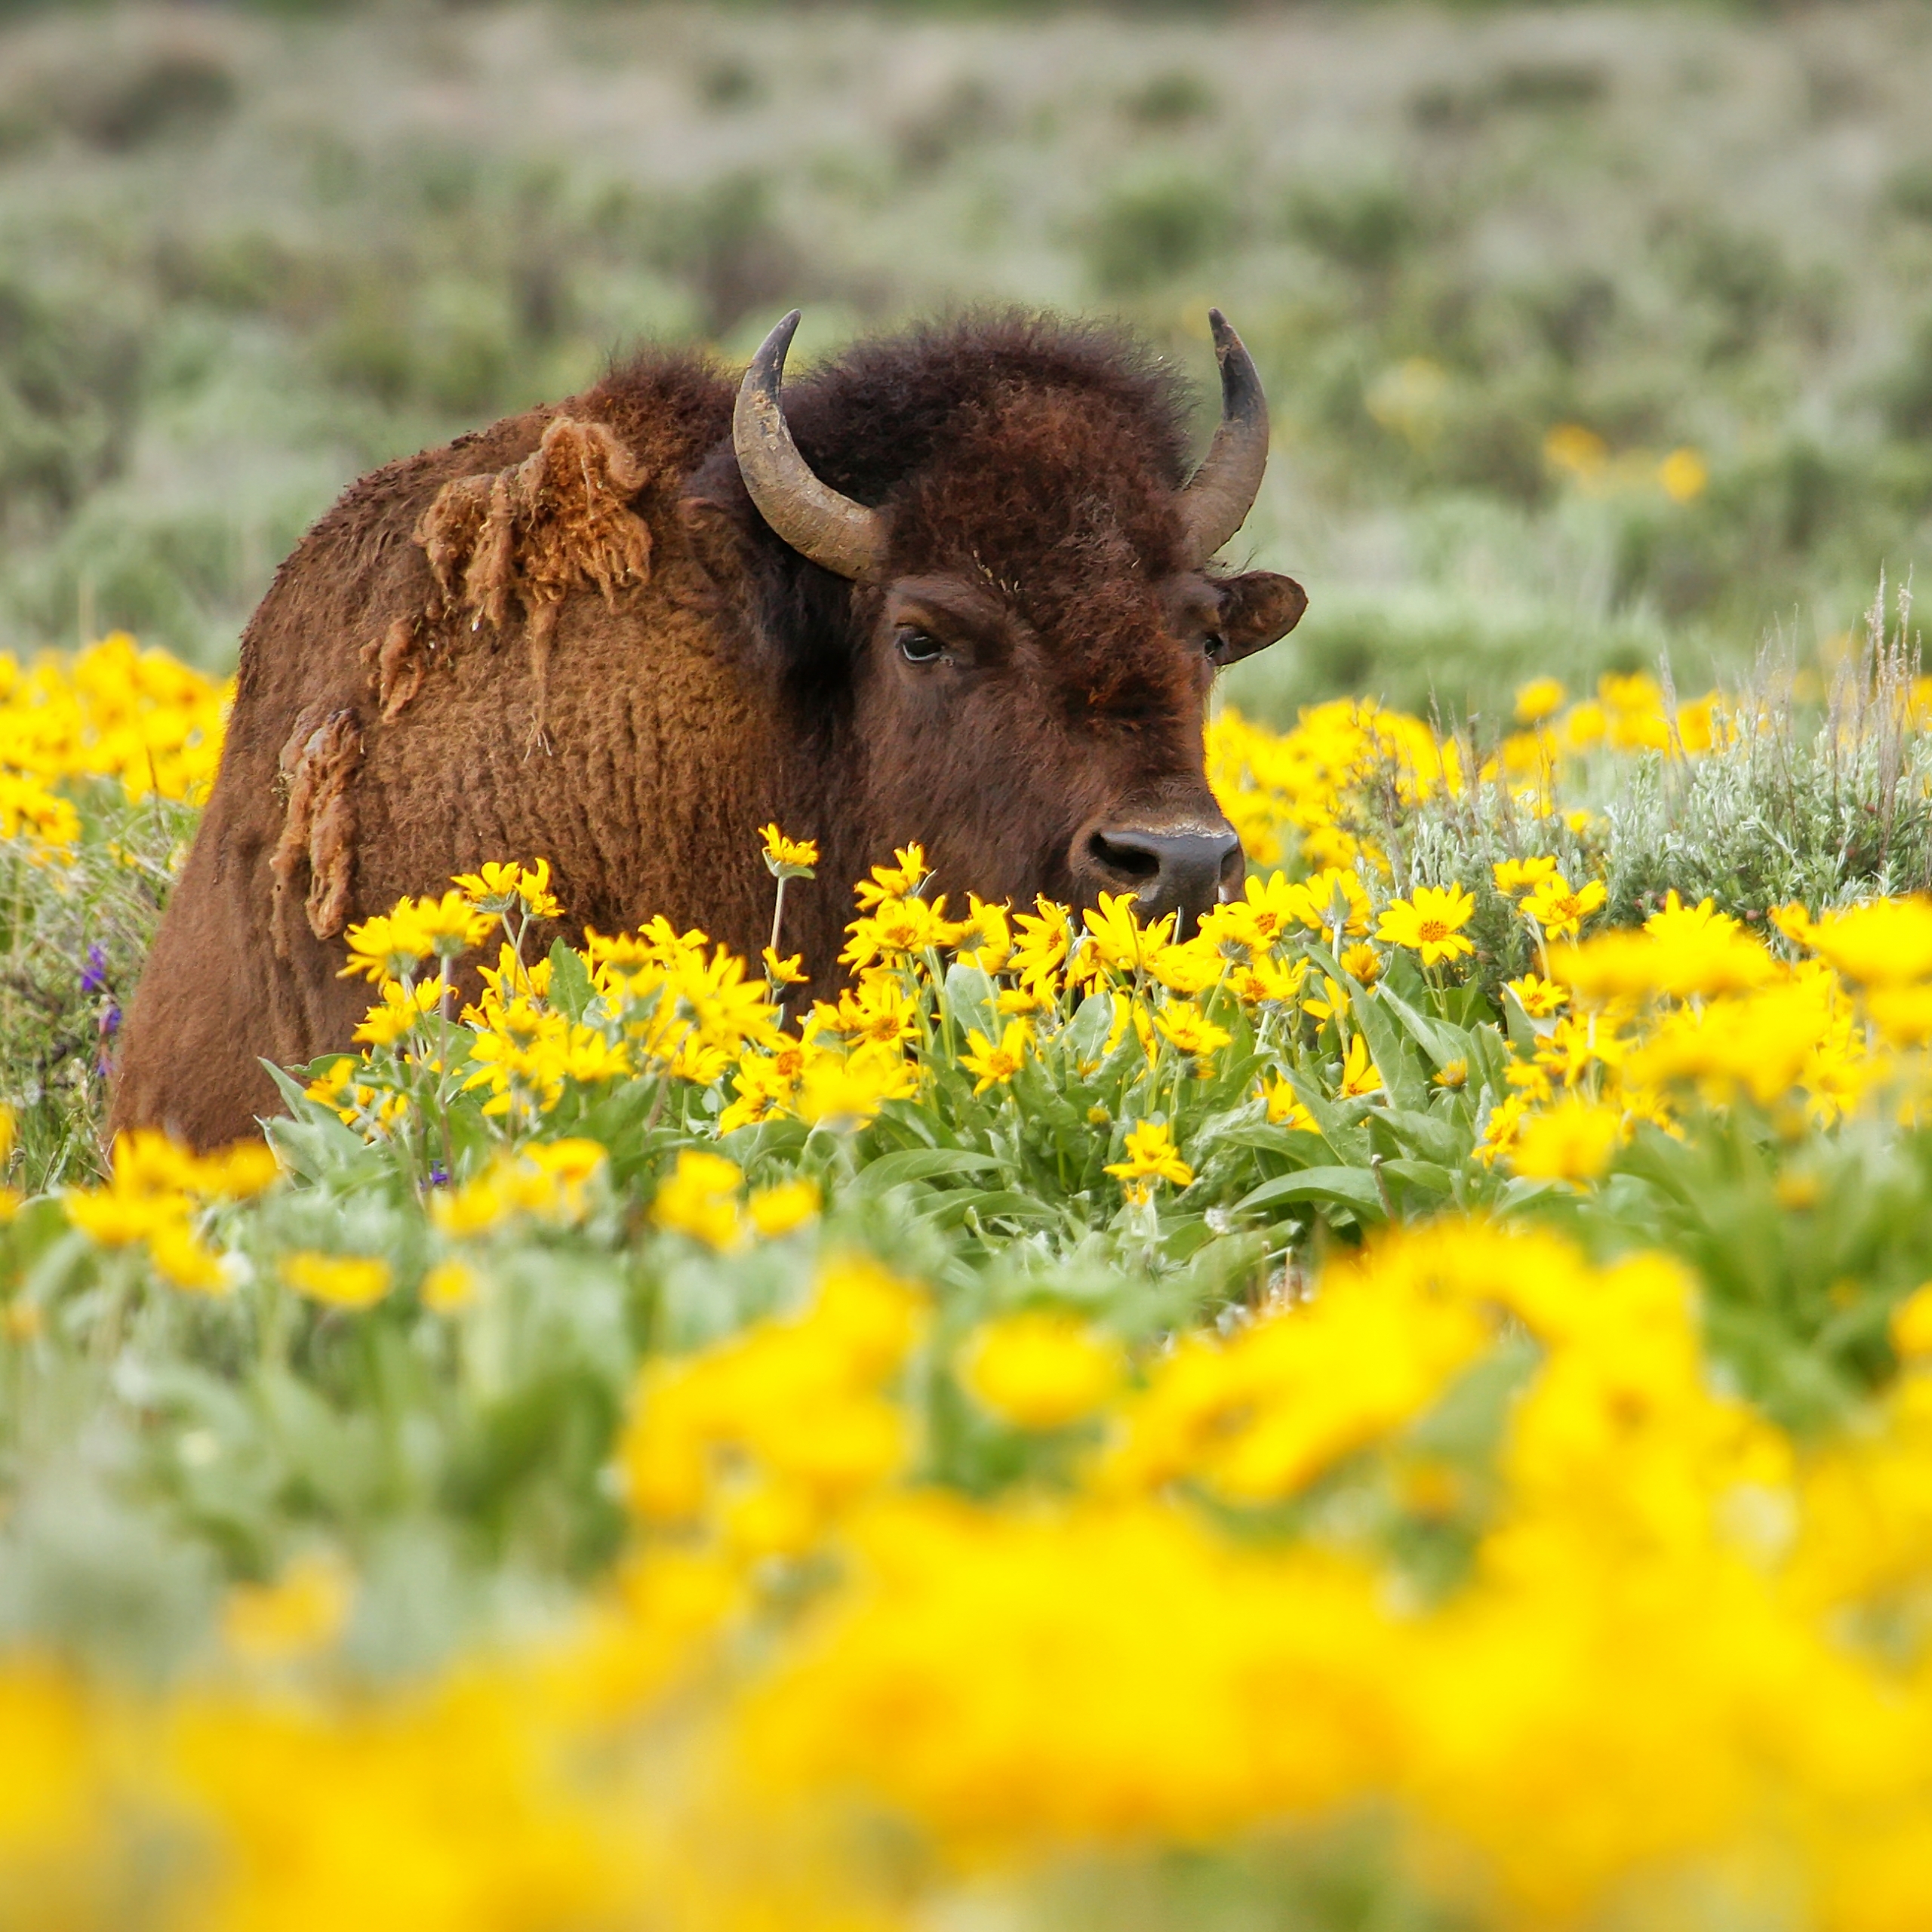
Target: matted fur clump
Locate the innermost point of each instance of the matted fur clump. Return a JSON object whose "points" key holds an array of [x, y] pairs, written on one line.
{"points": [[558, 521]]}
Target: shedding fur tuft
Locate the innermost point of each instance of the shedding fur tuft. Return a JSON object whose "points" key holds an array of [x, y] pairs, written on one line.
{"points": [[319, 763], [396, 662], [560, 519]]}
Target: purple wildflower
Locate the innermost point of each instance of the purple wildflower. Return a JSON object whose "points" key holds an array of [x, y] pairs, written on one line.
{"points": [[93, 976]]}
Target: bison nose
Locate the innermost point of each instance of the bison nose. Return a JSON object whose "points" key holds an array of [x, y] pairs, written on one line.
{"points": [[1176, 869]]}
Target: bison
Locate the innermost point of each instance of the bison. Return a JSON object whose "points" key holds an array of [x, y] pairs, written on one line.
{"points": [[957, 589]]}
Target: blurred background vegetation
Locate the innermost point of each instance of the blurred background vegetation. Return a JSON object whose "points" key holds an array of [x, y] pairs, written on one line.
{"points": [[1591, 332]]}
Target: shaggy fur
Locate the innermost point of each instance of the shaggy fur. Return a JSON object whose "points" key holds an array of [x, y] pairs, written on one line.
{"points": [[572, 636]]}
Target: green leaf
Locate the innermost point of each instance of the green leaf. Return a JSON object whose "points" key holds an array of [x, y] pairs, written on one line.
{"points": [[1426, 1134], [1353, 1187], [1087, 1031], [910, 1164], [1441, 1041], [570, 990], [1395, 1056], [1430, 1175], [1003, 1204]]}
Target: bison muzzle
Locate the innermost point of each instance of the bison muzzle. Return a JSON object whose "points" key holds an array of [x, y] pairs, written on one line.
{"points": [[957, 587]]}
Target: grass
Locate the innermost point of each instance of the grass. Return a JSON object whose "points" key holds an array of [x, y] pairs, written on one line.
{"points": [[242, 259]]}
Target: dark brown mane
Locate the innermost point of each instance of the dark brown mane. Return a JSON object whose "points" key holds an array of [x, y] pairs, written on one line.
{"points": [[878, 415]]}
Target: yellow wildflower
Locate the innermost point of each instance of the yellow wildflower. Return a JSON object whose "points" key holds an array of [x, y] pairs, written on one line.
{"points": [[1573, 1141], [1151, 1155], [1040, 1370], [1539, 998], [1515, 875], [700, 1198], [1360, 1074], [777, 1210], [995, 1065], [1429, 922], [1540, 698], [788, 858], [344, 1280], [1558, 910]]}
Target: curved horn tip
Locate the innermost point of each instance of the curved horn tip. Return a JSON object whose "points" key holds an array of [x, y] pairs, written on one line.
{"points": [[773, 350]]}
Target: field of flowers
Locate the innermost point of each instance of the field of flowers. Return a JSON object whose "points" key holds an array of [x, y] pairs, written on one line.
{"points": [[1410, 1406]]}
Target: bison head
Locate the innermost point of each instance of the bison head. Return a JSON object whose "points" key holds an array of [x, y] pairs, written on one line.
{"points": [[1024, 625]]}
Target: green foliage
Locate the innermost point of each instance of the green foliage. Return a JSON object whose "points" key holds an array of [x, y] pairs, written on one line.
{"points": [[216, 307]]}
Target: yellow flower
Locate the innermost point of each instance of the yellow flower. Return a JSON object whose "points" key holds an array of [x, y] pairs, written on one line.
{"points": [[384, 948], [701, 1199], [995, 1065], [1117, 936], [303, 1611], [1285, 1106], [498, 888], [788, 858], [1451, 1074], [986, 940], [450, 924], [1151, 1155], [1558, 910], [1501, 1128], [777, 1211], [843, 1092], [1362, 963], [1429, 922], [449, 1285], [1683, 475], [1573, 1141], [1887, 943], [1187, 1029], [1515, 875], [1040, 1370], [784, 972], [1333, 1004], [344, 1280], [398, 1014], [896, 929], [1539, 998], [1360, 1074], [893, 882], [1540, 698], [181, 1258], [1911, 1325]]}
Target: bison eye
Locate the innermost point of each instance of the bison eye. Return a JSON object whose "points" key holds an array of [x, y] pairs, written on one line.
{"points": [[920, 646], [1215, 645]]}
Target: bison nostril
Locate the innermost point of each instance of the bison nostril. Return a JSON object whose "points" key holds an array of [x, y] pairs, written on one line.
{"points": [[1124, 854], [1167, 870]]}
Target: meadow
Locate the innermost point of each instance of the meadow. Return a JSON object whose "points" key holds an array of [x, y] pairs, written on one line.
{"points": [[1407, 1409]]}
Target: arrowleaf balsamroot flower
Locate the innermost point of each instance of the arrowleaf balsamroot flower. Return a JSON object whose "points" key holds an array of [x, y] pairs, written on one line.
{"points": [[1888, 943], [1515, 875], [1151, 1155], [1573, 1141], [1188, 1030], [777, 1210], [789, 858], [344, 1280], [1429, 922], [1040, 1370], [1360, 1074], [1556, 910], [995, 1065], [701, 1199]]}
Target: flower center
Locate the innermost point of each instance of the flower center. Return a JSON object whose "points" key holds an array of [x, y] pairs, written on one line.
{"points": [[1433, 931]]}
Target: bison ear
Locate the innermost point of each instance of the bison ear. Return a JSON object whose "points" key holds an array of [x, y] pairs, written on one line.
{"points": [[1257, 609]]}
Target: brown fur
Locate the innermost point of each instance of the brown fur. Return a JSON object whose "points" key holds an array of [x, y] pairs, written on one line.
{"points": [[691, 677]]}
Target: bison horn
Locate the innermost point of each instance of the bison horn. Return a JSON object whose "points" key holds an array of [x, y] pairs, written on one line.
{"points": [[1217, 501], [833, 531]]}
